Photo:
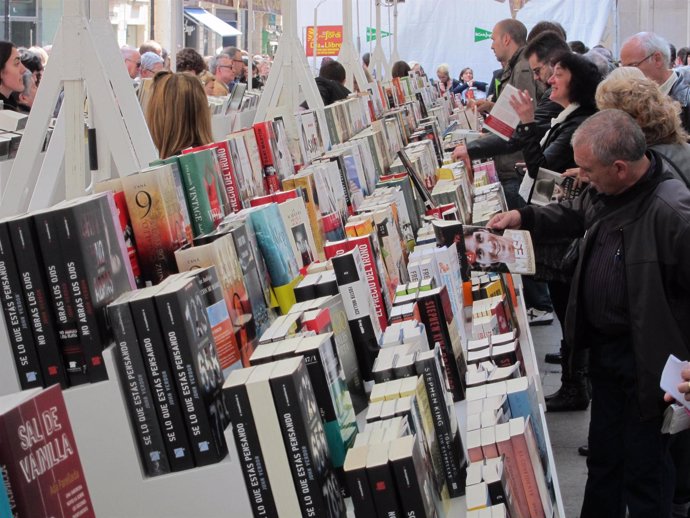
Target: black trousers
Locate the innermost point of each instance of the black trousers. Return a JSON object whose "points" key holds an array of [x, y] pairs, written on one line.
{"points": [[629, 462]]}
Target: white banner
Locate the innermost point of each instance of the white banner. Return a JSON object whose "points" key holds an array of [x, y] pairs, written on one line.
{"points": [[443, 31]]}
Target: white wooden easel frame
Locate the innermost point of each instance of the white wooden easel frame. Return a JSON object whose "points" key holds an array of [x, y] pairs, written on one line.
{"points": [[348, 56], [379, 64], [289, 72]]}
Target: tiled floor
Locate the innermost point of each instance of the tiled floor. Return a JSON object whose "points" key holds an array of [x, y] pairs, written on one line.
{"points": [[568, 430]]}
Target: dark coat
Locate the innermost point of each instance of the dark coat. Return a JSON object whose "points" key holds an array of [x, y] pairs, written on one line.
{"points": [[654, 218], [557, 153]]}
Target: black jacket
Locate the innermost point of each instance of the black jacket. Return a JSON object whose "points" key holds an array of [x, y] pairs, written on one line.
{"points": [[557, 152], [655, 222]]}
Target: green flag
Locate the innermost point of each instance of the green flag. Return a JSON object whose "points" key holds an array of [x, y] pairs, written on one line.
{"points": [[481, 34], [371, 34]]}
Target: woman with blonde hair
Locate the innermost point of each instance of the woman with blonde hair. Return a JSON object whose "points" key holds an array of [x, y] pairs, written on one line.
{"points": [[177, 113], [656, 113]]}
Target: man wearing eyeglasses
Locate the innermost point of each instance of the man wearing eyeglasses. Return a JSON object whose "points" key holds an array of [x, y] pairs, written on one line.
{"points": [[229, 66], [652, 55], [132, 61]]}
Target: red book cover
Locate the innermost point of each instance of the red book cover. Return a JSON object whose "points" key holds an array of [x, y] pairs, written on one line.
{"points": [[39, 457], [267, 142], [333, 248], [262, 200], [227, 170]]}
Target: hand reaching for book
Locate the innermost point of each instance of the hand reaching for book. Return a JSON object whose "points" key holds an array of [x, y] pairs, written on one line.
{"points": [[510, 219], [483, 106], [523, 104]]}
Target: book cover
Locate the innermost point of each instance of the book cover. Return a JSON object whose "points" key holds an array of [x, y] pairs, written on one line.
{"points": [[115, 185], [37, 300], [492, 250], [136, 390], [227, 169], [254, 156], [39, 458], [16, 316], [174, 163], [318, 489], [98, 270], [299, 232], [305, 183], [202, 189], [310, 140], [518, 432], [267, 143], [332, 396], [157, 220], [271, 235], [243, 169], [249, 258], [221, 254], [244, 429], [199, 378], [512, 471], [161, 378], [345, 347]]}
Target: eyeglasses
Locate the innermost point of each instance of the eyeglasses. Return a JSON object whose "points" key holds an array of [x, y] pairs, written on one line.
{"points": [[638, 63], [537, 70], [224, 66], [137, 63]]}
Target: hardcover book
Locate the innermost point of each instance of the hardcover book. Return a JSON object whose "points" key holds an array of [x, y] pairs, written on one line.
{"points": [[157, 220], [161, 378], [135, 388], [199, 378], [318, 489], [16, 316], [39, 457]]}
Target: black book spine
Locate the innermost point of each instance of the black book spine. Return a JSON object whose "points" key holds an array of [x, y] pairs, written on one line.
{"points": [[450, 456], [318, 490], [407, 481], [32, 275], [433, 317], [250, 453], [162, 383], [358, 486], [16, 319], [382, 485], [326, 287], [135, 386], [199, 379], [73, 356], [71, 242], [305, 292]]}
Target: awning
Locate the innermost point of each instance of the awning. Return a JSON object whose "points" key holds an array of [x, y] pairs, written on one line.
{"points": [[211, 21]]}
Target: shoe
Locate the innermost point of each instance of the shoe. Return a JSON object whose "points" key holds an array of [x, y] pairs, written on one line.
{"points": [[549, 397], [554, 358], [537, 317], [583, 450], [568, 399]]}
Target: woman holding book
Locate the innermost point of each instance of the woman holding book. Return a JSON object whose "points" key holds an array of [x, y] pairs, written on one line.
{"points": [[573, 85], [467, 81], [11, 75], [177, 113]]}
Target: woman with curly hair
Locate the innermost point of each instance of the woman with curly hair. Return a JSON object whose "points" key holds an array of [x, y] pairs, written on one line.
{"points": [[189, 60], [657, 114]]}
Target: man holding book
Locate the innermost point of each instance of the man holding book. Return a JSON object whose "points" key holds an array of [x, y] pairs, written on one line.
{"points": [[628, 303]]}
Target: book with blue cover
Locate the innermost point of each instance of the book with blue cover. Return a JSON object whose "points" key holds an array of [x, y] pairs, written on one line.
{"points": [[274, 244]]}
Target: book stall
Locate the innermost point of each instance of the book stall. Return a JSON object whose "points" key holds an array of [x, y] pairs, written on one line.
{"points": [[237, 336]]}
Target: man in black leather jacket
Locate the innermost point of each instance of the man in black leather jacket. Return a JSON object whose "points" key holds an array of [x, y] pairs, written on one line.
{"points": [[629, 303]]}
